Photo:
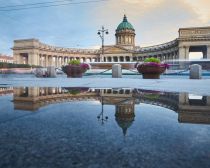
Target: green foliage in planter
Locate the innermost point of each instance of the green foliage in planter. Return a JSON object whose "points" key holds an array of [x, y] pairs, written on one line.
{"points": [[74, 62], [152, 59]]}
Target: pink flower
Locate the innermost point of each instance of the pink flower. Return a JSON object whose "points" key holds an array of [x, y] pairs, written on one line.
{"points": [[85, 66]]}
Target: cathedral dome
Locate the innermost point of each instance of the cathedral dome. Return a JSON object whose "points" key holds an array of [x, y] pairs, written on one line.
{"points": [[125, 34], [124, 25]]}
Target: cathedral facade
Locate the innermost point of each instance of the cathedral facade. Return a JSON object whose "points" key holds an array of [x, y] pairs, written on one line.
{"points": [[34, 52]]}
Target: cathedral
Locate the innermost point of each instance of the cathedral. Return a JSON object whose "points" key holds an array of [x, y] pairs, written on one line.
{"points": [[194, 39]]}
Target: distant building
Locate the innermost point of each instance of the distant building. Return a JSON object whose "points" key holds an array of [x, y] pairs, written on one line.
{"points": [[5, 58], [195, 39]]}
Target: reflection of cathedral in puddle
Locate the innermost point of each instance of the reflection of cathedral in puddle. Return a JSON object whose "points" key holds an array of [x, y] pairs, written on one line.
{"points": [[125, 115], [6, 90], [190, 108], [29, 98], [124, 105], [32, 98], [194, 109]]}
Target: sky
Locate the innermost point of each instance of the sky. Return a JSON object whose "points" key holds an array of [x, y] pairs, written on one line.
{"points": [[76, 25]]}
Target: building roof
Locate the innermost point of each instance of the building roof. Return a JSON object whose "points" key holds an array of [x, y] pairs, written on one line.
{"points": [[125, 25], [6, 57]]}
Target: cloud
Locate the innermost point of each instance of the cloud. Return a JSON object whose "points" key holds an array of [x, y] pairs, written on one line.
{"points": [[201, 7], [155, 21]]}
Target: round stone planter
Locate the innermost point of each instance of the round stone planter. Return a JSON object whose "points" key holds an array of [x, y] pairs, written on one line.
{"points": [[151, 72], [74, 71]]}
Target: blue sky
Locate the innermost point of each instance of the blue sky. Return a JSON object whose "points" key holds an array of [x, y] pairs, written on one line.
{"points": [[155, 21]]}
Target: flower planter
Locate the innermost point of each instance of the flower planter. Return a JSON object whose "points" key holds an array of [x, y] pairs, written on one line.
{"points": [[74, 71], [150, 71]]}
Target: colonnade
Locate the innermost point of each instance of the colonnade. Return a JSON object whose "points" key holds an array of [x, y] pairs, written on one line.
{"points": [[58, 61], [128, 39], [45, 60], [118, 58], [163, 57]]}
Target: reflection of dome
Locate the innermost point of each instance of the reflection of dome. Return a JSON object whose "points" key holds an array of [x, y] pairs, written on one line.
{"points": [[124, 25], [124, 118]]}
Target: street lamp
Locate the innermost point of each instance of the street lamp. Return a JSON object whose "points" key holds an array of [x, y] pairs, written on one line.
{"points": [[101, 35], [101, 115]]}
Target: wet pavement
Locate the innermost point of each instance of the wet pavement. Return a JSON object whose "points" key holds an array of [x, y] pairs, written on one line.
{"points": [[90, 127]]}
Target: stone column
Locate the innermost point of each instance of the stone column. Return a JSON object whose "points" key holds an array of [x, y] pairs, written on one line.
{"points": [[45, 61], [183, 98], [33, 91], [59, 61], [62, 61], [123, 39], [50, 60], [33, 58], [56, 61], [16, 57], [187, 52], [40, 60], [184, 52], [208, 52], [181, 53], [36, 58]]}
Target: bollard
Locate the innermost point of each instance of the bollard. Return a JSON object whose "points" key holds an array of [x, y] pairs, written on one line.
{"points": [[116, 71], [51, 72], [195, 71]]}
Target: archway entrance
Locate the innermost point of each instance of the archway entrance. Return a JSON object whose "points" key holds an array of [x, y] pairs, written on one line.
{"points": [[197, 52], [24, 58]]}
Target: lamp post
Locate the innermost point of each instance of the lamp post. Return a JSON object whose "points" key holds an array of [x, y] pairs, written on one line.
{"points": [[101, 35], [101, 115]]}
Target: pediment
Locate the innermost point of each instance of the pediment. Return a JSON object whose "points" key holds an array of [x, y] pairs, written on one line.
{"points": [[114, 49]]}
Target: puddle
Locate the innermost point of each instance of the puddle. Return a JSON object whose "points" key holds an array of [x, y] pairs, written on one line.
{"points": [[90, 127]]}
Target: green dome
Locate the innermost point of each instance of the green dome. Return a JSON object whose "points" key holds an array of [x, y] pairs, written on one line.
{"points": [[124, 25]]}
